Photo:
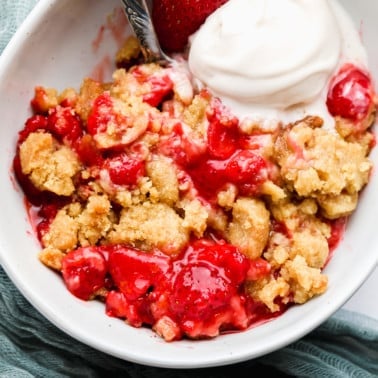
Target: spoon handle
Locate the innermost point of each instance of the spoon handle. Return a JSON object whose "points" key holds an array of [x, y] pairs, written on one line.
{"points": [[139, 18]]}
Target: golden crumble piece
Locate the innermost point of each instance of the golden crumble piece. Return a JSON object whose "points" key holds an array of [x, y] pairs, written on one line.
{"points": [[149, 226], [63, 231], [293, 214], [249, 228], [315, 163], [218, 219], [356, 132], [334, 207], [268, 290], [83, 192], [278, 250], [311, 245], [196, 216], [167, 328], [89, 91], [124, 198], [94, 221], [305, 282], [69, 96], [300, 216], [52, 258], [297, 282], [126, 83], [308, 235], [163, 176], [129, 53], [275, 192], [227, 197], [76, 225], [144, 191], [44, 99], [148, 140], [349, 131], [49, 165], [195, 115]]}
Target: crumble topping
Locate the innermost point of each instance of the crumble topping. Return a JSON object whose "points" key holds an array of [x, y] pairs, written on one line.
{"points": [[49, 166]]}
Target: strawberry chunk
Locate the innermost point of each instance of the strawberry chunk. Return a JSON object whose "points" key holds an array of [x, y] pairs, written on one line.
{"points": [[222, 132], [140, 279], [225, 256], [101, 114], [259, 268], [246, 167], [351, 94], [84, 271], [43, 100], [124, 169], [116, 305], [209, 176], [182, 147], [136, 312], [65, 124], [88, 152], [199, 292], [135, 272], [159, 85], [206, 283], [32, 124], [175, 21]]}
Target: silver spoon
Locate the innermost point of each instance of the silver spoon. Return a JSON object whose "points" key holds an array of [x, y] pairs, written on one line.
{"points": [[138, 14]]}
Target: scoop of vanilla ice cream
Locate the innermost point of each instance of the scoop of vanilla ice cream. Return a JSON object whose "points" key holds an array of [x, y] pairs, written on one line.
{"points": [[272, 56]]}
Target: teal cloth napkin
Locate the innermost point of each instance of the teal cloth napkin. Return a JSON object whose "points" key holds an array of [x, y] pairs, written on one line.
{"points": [[30, 346]]}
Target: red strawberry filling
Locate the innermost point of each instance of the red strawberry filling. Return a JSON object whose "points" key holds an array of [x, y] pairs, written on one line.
{"points": [[84, 271], [159, 86], [201, 291], [351, 94], [222, 132], [244, 168], [124, 169]]}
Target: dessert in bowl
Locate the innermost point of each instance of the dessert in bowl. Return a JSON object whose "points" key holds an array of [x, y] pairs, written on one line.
{"points": [[154, 196]]}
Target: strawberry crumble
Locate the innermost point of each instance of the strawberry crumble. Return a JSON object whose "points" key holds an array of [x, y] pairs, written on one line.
{"points": [[155, 198]]}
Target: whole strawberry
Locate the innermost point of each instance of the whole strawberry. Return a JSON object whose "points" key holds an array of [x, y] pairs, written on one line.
{"points": [[175, 21]]}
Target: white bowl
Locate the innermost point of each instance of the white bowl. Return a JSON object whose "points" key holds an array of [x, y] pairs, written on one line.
{"points": [[54, 48]]}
